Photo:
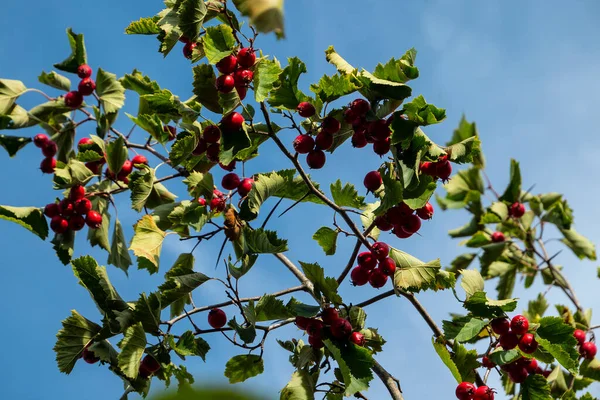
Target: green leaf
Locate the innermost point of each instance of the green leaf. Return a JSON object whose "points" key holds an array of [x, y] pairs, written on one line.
{"points": [[10, 90], [266, 73], [146, 243], [286, 94], [218, 43], [141, 184], [116, 153], [556, 337], [590, 369], [143, 26], [76, 333], [421, 113], [368, 217], [240, 368], [346, 196], [99, 236], [188, 345], [393, 193], [513, 191], [355, 365], [246, 333], [139, 83], [232, 143], [466, 362], [581, 246], [204, 88], [262, 241], [470, 330], [471, 282], [95, 279], [110, 91], [462, 261], [327, 239], [401, 70], [63, 245], [132, 349], [78, 55], [442, 351], [535, 388], [55, 80], [537, 308], [265, 15], [502, 357], [415, 277], [323, 285], [199, 184], [12, 144], [464, 131], [30, 218], [270, 308], [119, 255], [147, 311], [300, 387], [481, 306], [331, 88], [300, 309], [191, 17], [180, 282]]}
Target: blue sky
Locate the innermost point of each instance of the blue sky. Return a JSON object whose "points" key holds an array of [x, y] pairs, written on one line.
{"points": [[526, 72]]}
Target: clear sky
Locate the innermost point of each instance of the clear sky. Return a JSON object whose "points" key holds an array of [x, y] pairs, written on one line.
{"points": [[526, 72]]}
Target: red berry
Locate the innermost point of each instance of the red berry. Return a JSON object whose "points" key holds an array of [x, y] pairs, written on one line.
{"points": [[380, 250], [94, 166], [304, 144], [443, 170], [202, 201], [399, 213], [412, 224], [357, 338], [331, 125], [139, 160], [518, 375], [578, 334], [528, 344], [352, 117], [487, 363], [315, 328], [126, 168], [89, 356], [93, 219], [50, 149], [316, 159], [498, 237], [84, 71], [83, 206], [83, 143], [367, 260], [359, 140], [212, 134], [377, 278], [241, 91], [532, 366], [316, 342], [425, 212], [212, 152], [233, 121], [51, 210], [230, 181], [360, 106], [427, 168], [217, 204], [243, 77], [40, 140], [302, 322], [517, 210], [373, 181], [66, 207], [379, 130], [59, 224], [225, 83], [519, 324], [401, 233], [465, 391], [359, 276], [76, 222], [341, 328], [73, 99], [382, 147], [483, 393], [324, 140], [245, 186], [388, 266], [77, 192], [86, 86], [188, 49], [150, 363], [229, 167], [509, 340], [246, 57], [329, 315], [227, 64], [588, 350], [383, 224], [217, 318], [306, 110], [500, 326]]}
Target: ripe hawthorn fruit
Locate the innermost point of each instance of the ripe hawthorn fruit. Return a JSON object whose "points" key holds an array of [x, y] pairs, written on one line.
{"points": [[93, 219], [76, 222], [86, 87], [528, 344], [217, 318], [302, 322], [225, 83], [59, 224], [227, 65], [359, 276], [360, 106], [517, 210], [51, 210], [316, 159], [77, 192], [316, 342], [382, 147], [139, 160], [465, 391], [500, 326], [383, 224], [73, 99], [83, 206], [40, 140], [230, 181], [304, 144], [388, 266], [483, 393], [425, 212], [588, 350], [50, 149], [357, 338], [243, 77], [359, 140], [84, 71], [324, 140], [367, 260], [380, 250], [188, 49], [211, 134], [373, 181], [245, 186], [306, 109], [328, 315], [233, 121], [443, 170], [246, 57], [330, 125], [341, 328], [212, 152], [579, 335], [509, 340], [519, 324], [498, 237], [89, 356], [378, 278]]}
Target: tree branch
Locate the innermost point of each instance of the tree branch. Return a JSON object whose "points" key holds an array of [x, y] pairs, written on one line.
{"points": [[392, 384]]}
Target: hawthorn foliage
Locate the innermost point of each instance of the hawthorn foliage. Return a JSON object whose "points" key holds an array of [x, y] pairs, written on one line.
{"points": [[242, 99]]}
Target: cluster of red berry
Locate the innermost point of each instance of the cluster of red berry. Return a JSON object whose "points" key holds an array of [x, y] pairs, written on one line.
{"points": [[49, 149], [587, 350], [376, 132], [73, 212], [374, 266], [314, 147], [467, 391], [441, 168], [96, 166], [217, 203], [74, 99], [188, 46], [236, 72], [148, 366], [516, 210], [232, 181], [331, 325]]}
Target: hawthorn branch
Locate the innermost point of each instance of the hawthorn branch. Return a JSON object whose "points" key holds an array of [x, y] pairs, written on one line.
{"points": [[392, 384]]}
